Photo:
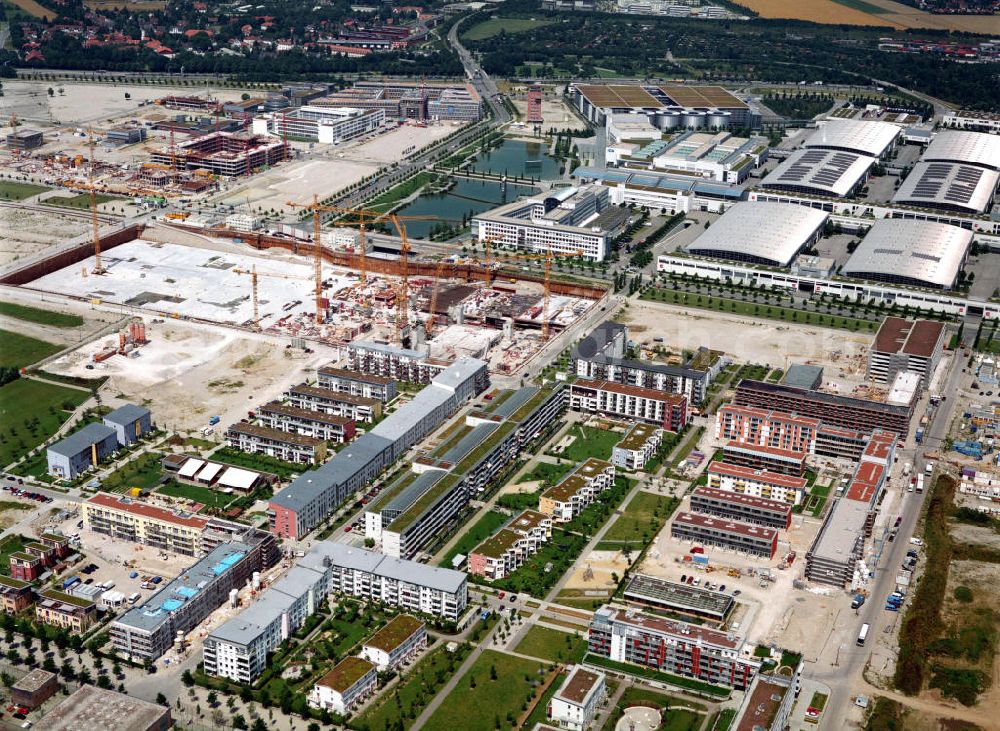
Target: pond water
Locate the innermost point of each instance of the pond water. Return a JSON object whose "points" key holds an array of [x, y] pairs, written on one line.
{"points": [[466, 198]]}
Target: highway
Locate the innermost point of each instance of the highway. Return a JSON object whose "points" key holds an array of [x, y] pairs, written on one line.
{"points": [[844, 678]]}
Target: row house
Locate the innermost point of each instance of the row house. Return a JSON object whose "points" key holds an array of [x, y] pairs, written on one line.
{"points": [[276, 443], [508, 549], [327, 401], [315, 424], [567, 500]]}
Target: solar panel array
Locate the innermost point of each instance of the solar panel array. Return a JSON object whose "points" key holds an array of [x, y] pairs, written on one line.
{"points": [[819, 167], [950, 184]]}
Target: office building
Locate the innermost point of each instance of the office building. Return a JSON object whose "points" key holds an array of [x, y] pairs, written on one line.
{"points": [[906, 345], [396, 644], [283, 445], [507, 549], [418, 100], [126, 135], [95, 708], [130, 422], [22, 140], [16, 595], [351, 682], [147, 630], [668, 107], [33, 689], [846, 412], [304, 422], [737, 506], [660, 191], [718, 156], [570, 221], [575, 704], [725, 533], [600, 356], [761, 483], [314, 495], [229, 154], [327, 401], [63, 610], [410, 586], [326, 125], [567, 500], [772, 234], [651, 406], [674, 647], [81, 450], [972, 120], [760, 457], [911, 253], [637, 448], [678, 598], [356, 383]]}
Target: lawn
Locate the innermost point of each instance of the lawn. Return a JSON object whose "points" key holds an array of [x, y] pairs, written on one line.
{"points": [[211, 498], [589, 442], [144, 473], [688, 715], [643, 517], [259, 462], [80, 201], [44, 317], [651, 674], [41, 405], [547, 472], [8, 545], [494, 26], [772, 312], [553, 645], [560, 551], [19, 350], [415, 690], [483, 529], [468, 706], [11, 191], [540, 713], [725, 720]]}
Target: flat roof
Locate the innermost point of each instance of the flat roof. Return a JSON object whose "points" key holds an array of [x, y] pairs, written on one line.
{"points": [[975, 148], [765, 476], [637, 436], [414, 572], [129, 505], [724, 525], [949, 185], [655, 97], [498, 544], [865, 137], [762, 706], [349, 375], [276, 435], [748, 384], [911, 337], [276, 407], [579, 685], [803, 376], [924, 251], [528, 520], [789, 455], [51, 595], [576, 481], [841, 531], [774, 506], [346, 673], [905, 388], [825, 172], [671, 627], [81, 441], [686, 598], [628, 390], [399, 630], [91, 707], [331, 395], [33, 681], [762, 231], [865, 483]]}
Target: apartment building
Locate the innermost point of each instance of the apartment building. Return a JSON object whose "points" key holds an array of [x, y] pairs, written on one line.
{"points": [[130, 422], [600, 356], [666, 410], [906, 345], [408, 585], [81, 450], [328, 401], [678, 598], [388, 361], [355, 383], [298, 508], [674, 647], [507, 549], [15, 595], [238, 648], [567, 500], [575, 704], [757, 482], [846, 412], [63, 610], [147, 630], [395, 644], [570, 221], [25, 566], [745, 508], [314, 424], [124, 518], [772, 459], [755, 540], [283, 445], [351, 682], [637, 448]]}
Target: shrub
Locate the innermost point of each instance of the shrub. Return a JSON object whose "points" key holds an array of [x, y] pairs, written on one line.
{"points": [[963, 594]]}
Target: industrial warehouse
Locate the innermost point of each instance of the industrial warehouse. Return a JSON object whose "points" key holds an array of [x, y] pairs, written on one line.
{"points": [[667, 107]]}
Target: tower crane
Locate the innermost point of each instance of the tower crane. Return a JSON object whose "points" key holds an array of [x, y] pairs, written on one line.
{"points": [[438, 273], [98, 267], [253, 289]]}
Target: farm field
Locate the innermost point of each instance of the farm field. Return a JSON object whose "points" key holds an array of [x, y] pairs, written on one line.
{"points": [[872, 12], [19, 350], [492, 27], [42, 317], [33, 9]]}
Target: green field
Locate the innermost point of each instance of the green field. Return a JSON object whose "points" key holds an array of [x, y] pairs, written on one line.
{"points": [[642, 671], [10, 544], [259, 462], [144, 473], [44, 317], [589, 442], [771, 312], [491, 704], [81, 201], [19, 350], [551, 644], [483, 529], [211, 498], [684, 714], [25, 400], [863, 6], [11, 191], [493, 27], [643, 517], [547, 472]]}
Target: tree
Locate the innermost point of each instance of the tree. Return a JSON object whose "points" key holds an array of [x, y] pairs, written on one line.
{"points": [[187, 678], [259, 725], [239, 722], [213, 698], [161, 699]]}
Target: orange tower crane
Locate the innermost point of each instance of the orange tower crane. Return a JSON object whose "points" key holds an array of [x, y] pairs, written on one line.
{"points": [[254, 291], [98, 267], [438, 274]]}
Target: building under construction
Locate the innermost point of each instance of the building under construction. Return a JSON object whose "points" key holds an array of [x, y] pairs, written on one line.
{"points": [[223, 153]]}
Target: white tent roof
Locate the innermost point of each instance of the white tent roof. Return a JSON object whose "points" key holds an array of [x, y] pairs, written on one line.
{"points": [[240, 479], [211, 470], [191, 467]]}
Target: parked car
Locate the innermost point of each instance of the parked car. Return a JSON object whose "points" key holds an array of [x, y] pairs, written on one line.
{"points": [[683, 578]]}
